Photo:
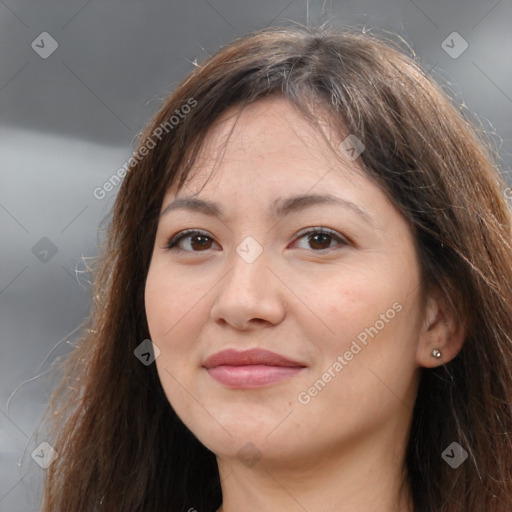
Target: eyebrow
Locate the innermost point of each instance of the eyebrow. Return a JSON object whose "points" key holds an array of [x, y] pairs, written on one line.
{"points": [[279, 208]]}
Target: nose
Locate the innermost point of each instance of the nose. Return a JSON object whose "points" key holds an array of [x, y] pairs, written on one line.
{"points": [[250, 296]]}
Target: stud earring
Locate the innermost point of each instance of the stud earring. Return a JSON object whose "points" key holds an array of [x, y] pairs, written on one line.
{"points": [[436, 353]]}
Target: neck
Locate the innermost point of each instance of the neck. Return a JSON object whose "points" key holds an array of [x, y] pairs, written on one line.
{"points": [[362, 478]]}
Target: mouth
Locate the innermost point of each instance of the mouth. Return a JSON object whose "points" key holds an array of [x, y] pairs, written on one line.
{"points": [[250, 368]]}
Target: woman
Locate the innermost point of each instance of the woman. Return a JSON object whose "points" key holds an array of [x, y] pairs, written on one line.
{"points": [[318, 247]]}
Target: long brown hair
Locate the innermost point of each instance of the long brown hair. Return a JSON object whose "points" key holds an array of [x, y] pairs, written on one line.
{"points": [[121, 446]]}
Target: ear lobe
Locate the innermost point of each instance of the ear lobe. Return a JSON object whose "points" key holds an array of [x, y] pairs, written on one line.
{"points": [[443, 331]]}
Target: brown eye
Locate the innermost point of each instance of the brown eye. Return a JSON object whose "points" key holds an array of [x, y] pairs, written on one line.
{"points": [[200, 241], [191, 241], [320, 239]]}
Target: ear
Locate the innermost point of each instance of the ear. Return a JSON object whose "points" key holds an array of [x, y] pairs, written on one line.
{"points": [[442, 330]]}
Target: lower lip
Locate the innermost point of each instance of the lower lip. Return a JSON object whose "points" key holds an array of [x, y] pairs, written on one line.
{"points": [[252, 376]]}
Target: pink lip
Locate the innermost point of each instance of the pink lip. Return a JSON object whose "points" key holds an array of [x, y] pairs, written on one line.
{"points": [[250, 368]]}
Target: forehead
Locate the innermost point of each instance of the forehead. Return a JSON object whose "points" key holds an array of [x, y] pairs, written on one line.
{"points": [[255, 160], [269, 141]]}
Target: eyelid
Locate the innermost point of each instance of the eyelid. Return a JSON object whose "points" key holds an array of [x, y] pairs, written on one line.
{"points": [[322, 230], [183, 234], [343, 240]]}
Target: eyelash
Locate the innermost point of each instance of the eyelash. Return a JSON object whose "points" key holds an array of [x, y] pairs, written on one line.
{"points": [[171, 243]]}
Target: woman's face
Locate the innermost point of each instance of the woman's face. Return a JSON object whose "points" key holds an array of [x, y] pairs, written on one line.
{"points": [[295, 252]]}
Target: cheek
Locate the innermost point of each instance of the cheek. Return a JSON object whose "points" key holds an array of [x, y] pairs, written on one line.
{"points": [[371, 329], [366, 373], [168, 301], [173, 327], [172, 310], [353, 305]]}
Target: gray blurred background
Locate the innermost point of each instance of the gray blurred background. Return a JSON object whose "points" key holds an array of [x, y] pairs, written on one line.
{"points": [[78, 81]]}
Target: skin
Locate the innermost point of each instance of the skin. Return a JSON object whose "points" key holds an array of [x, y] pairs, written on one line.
{"points": [[305, 299]]}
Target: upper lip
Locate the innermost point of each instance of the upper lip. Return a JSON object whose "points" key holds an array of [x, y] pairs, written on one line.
{"points": [[231, 357]]}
